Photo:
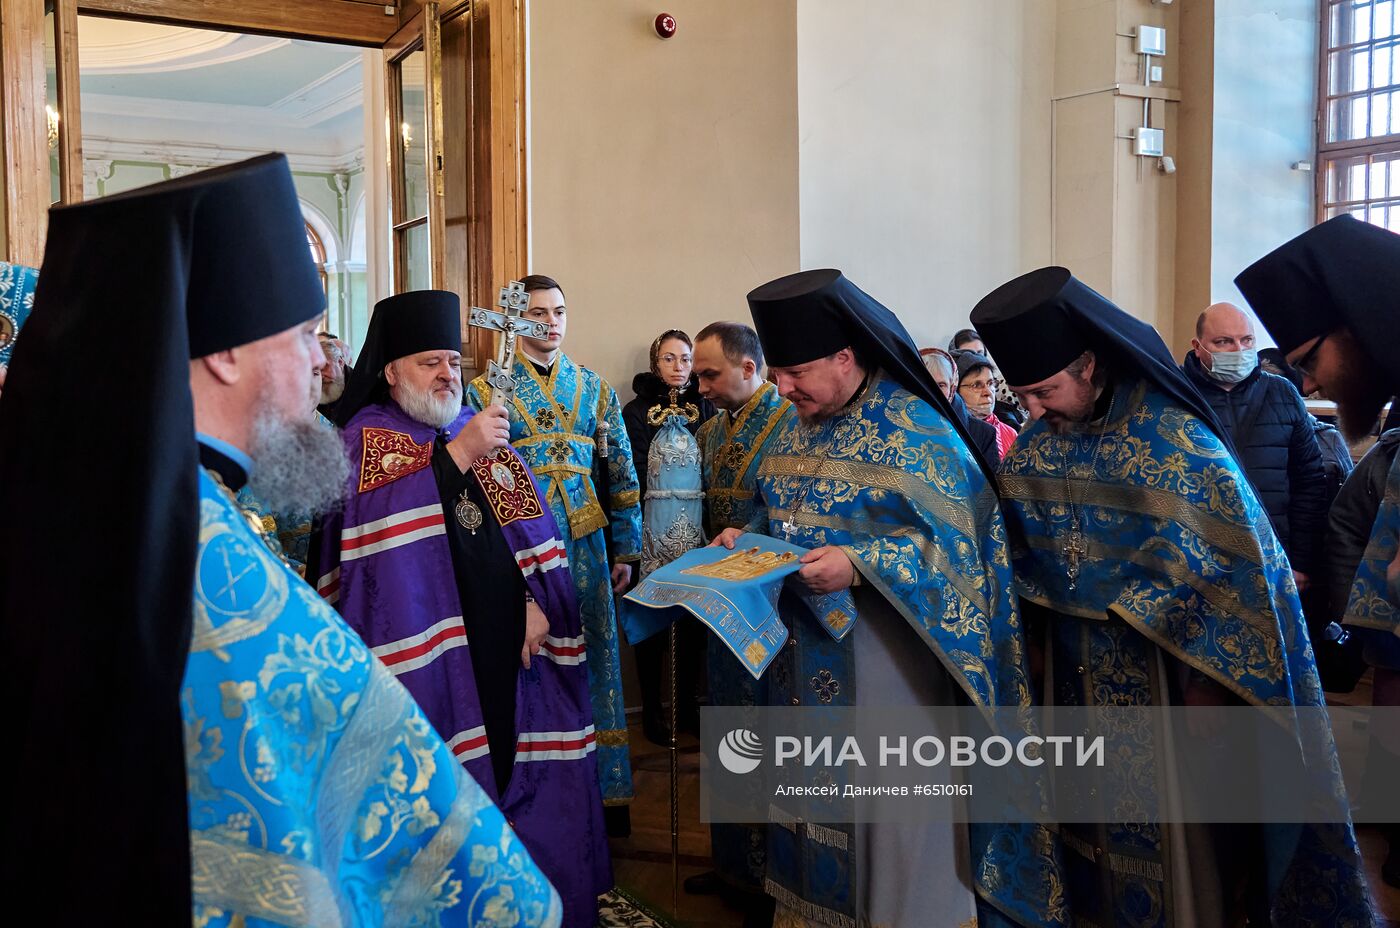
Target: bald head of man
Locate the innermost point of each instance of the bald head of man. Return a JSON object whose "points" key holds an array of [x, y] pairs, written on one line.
{"points": [[1224, 343]]}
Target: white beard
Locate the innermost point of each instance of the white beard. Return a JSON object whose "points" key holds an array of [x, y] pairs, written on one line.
{"points": [[427, 407]]}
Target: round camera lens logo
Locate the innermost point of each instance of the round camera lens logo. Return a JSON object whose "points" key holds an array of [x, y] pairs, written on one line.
{"points": [[741, 751]]}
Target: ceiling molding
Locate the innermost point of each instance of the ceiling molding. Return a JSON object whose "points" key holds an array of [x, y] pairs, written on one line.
{"points": [[174, 50], [319, 84], [98, 149], [328, 96], [228, 114]]}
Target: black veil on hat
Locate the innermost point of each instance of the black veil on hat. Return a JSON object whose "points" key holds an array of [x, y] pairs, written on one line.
{"points": [[1343, 272], [99, 490], [401, 325], [814, 314], [1038, 323]]}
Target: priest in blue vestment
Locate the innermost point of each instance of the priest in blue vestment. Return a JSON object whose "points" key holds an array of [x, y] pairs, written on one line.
{"points": [[205, 739], [876, 478], [729, 368], [1142, 551]]}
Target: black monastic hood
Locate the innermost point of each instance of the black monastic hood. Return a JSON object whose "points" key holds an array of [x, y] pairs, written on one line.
{"points": [[101, 498], [401, 325], [1036, 324], [1344, 272], [813, 314]]}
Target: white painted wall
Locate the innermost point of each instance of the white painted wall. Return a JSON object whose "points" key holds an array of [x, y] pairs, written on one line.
{"points": [[924, 152], [1265, 104]]}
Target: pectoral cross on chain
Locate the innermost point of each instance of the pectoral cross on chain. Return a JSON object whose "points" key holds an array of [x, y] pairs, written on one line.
{"points": [[511, 322], [1075, 548]]}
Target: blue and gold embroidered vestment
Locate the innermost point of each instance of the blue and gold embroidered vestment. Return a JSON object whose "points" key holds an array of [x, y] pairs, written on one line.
{"points": [[319, 794], [890, 482], [1178, 555]]}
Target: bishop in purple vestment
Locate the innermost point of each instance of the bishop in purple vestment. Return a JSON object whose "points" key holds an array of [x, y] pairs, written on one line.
{"points": [[452, 569]]}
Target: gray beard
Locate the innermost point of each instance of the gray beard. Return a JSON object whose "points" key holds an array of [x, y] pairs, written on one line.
{"points": [[331, 390], [427, 408], [299, 466]]}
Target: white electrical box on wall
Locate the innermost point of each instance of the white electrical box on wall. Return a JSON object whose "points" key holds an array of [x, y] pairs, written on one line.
{"points": [[1151, 40], [1147, 142]]}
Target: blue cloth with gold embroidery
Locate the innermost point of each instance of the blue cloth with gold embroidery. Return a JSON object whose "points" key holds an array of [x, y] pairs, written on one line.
{"points": [[1178, 555], [17, 284], [554, 422], [674, 504], [1374, 601], [733, 593], [318, 792], [890, 481]]}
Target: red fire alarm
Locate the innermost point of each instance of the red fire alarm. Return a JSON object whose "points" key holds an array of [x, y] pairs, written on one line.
{"points": [[665, 25]]}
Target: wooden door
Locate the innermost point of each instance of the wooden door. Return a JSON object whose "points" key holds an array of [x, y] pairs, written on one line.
{"points": [[473, 154]]}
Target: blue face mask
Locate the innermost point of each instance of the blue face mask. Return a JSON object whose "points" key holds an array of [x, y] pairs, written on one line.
{"points": [[1233, 366]]}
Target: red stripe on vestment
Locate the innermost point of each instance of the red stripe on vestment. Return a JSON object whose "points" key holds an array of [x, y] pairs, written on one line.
{"points": [[393, 531], [408, 654]]}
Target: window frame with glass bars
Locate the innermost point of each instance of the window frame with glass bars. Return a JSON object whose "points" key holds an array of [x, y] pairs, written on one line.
{"points": [[1358, 175]]}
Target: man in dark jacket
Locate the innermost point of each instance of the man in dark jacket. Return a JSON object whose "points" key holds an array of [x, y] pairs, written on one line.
{"points": [[1269, 426], [1349, 527]]}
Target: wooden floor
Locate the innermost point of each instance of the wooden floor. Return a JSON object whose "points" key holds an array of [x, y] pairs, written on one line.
{"points": [[642, 862], [1373, 845]]}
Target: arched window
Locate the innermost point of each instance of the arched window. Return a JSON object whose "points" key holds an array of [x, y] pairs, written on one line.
{"points": [[318, 254]]}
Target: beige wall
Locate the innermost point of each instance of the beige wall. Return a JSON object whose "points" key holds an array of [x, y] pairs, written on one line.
{"points": [[1115, 213], [1194, 148], [663, 174], [925, 130]]}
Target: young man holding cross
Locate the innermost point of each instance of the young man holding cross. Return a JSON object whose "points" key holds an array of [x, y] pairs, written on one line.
{"points": [[565, 421]]}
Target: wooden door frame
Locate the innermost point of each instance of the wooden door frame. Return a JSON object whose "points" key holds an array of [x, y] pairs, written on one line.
{"points": [[408, 39], [23, 96], [349, 22], [423, 32], [498, 27], [70, 125]]}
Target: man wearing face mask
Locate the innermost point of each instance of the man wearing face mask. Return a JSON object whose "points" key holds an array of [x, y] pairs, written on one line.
{"points": [[1269, 426]]}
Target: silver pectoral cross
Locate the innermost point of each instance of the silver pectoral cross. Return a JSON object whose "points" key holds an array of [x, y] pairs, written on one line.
{"points": [[1074, 548], [789, 527], [511, 322]]}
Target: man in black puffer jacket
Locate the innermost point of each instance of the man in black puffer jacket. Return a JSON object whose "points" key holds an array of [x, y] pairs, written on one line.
{"points": [[1269, 426]]}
